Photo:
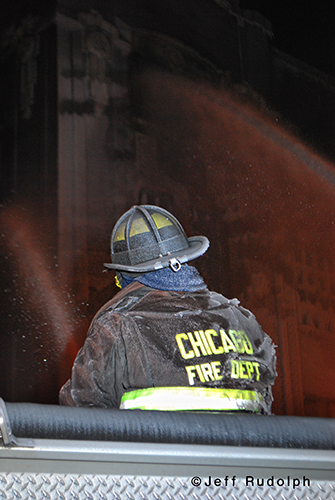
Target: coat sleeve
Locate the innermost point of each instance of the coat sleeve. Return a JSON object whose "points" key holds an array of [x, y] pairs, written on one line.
{"points": [[99, 368]]}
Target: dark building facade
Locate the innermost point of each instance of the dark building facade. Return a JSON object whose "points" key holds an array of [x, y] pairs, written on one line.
{"points": [[187, 105]]}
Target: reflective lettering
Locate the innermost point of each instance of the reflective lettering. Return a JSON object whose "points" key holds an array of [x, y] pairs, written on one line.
{"points": [[202, 343], [234, 335], [235, 372], [226, 342], [249, 368], [205, 342], [243, 373], [247, 344], [216, 367], [199, 372], [197, 343], [204, 372], [185, 355], [244, 369], [209, 334], [190, 373], [207, 371], [256, 365]]}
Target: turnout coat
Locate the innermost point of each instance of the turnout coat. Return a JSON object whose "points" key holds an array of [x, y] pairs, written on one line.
{"points": [[147, 338]]}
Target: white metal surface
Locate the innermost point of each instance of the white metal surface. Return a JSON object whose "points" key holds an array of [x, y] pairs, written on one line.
{"points": [[56, 469]]}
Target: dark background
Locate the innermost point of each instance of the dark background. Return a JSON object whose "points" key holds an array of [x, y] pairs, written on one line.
{"points": [[303, 29]]}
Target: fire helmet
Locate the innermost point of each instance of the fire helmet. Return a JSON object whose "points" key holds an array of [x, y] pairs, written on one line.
{"points": [[147, 238]]}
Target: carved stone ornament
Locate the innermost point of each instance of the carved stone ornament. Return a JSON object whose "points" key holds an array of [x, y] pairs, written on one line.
{"points": [[174, 55], [97, 44]]}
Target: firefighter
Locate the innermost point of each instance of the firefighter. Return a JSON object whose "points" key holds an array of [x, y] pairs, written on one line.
{"points": [[165, 342]]}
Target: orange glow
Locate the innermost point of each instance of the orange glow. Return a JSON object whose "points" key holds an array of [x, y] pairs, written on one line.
{"points": [[266, 201], [45, 317]]}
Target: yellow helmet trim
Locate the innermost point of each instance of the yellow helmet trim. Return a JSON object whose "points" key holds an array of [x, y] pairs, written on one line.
{"points": [[140, 226]]}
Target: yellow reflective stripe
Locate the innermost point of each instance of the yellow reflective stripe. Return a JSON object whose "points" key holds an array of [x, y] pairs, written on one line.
{"points": [[191, 398]]}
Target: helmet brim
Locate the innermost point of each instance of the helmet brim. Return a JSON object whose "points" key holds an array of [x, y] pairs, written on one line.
{"points": [[198, 245]]}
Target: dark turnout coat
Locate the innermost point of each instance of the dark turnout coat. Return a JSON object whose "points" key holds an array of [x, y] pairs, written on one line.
{"points": [[145, 337]]}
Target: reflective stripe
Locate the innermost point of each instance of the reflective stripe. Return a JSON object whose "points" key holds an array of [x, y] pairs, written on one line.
{"points": [[191, 398]]}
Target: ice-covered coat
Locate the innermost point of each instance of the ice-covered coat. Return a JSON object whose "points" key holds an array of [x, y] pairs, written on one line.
{"points": [[145, 337]]}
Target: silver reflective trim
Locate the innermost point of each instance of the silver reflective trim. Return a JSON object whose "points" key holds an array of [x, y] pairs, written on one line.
{"points": [[192, 399]]}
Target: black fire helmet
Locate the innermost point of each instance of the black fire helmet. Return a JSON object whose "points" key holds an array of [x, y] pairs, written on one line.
{"points": [[147, 238]]}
